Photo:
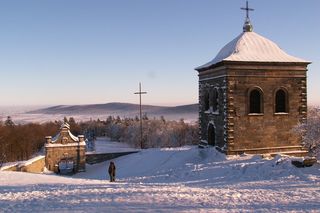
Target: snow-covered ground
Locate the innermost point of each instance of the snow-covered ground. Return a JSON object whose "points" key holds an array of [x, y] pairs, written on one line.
{"points": [[184, 179]]}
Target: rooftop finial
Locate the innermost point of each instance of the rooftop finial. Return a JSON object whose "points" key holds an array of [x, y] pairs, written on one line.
{"points": [[247, 27]]}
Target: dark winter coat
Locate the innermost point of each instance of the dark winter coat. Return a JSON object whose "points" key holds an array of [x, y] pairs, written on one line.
{"points": [[112, 171]]}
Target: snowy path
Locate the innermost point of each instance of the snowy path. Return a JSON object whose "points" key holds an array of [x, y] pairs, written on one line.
{"points": [[166, 180]]}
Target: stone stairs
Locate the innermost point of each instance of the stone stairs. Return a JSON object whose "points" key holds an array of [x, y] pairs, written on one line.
{"points": [[298, 151]]}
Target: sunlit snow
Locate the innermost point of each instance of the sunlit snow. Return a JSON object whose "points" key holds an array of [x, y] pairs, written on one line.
{"points": [[170, 179]]}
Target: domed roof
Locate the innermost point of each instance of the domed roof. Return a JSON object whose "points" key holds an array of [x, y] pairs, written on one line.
{"points": [[252, 47]]}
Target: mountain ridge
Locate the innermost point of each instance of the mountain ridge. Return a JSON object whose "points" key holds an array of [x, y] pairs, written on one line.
{"points": [[119, 108]]}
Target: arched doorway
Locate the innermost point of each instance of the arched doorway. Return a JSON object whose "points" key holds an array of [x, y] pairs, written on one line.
{"points": [[211, 135]]}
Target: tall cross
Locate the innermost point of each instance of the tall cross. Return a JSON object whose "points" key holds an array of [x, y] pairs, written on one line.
{"points": [[140, 93], [247, 9]]}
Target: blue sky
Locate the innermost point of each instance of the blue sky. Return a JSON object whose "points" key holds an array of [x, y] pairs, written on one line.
{"points": [[97, 51]]}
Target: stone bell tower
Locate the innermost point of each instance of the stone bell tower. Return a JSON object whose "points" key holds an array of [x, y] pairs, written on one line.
{"points": [[251, 96]]}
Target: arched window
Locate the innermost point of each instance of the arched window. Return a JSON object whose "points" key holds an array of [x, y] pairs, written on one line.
{"points": [[206, 101], [281, 101], [215, 100], [255, 101]]}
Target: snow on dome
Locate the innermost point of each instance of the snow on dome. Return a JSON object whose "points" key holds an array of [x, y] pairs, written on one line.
{"points": [[252, 47]]}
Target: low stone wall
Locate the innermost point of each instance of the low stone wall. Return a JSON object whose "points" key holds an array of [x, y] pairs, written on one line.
{"points": [[34, 165], [98, 158], [37, 164], [11, 168]]}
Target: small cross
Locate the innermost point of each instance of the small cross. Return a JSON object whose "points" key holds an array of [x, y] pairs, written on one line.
{"points": [[247, 9]]}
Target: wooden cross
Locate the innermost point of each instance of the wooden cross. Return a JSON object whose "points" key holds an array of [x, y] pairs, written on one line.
{"points": [[140, 93], [247, 9]]}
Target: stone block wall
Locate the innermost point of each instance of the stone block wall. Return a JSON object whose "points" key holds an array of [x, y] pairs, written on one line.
{"points": [[237, 130], [55, 154], [208, 81], [36, 166], [268, 129], [101, 157], [12, 168]]}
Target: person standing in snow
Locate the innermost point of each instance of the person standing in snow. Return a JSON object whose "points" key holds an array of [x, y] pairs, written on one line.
{"points": [[112, 171]]}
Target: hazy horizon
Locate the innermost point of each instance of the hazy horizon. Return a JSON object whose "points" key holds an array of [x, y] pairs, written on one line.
{"points": [[50, 105]]}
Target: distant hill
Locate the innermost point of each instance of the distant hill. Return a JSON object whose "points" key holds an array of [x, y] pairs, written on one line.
{"points": [[122, 109]]}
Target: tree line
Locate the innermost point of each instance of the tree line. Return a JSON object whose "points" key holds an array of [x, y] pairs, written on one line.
{"points": [[20, 142], [155, 132]]}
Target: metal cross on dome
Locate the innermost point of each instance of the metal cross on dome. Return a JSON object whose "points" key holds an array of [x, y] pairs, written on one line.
{"points": [[247, 9]]}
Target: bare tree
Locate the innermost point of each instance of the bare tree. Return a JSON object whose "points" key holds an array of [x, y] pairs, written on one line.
{"points": [[2, 152]]}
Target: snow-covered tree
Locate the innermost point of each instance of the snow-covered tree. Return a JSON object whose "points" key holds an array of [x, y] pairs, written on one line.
{"points": [[310, 131], [9, 122]]}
